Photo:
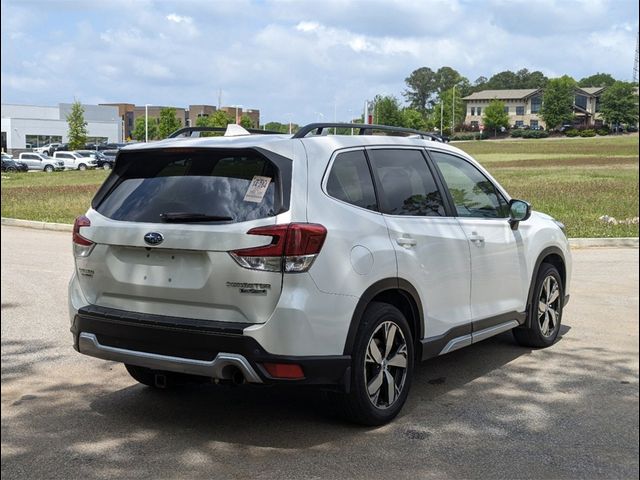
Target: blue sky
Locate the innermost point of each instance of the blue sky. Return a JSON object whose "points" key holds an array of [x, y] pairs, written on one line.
{"points": [[299, 59]]}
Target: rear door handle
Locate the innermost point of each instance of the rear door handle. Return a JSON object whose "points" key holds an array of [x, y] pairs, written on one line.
{"points": [[406, 242], [475, 238]]}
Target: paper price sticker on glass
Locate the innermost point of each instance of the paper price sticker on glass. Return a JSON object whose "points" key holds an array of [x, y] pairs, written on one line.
{"points": [[257, 189]]}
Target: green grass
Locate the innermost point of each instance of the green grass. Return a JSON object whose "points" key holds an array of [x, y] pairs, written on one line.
{"points": [[576, 180], [49, 197]]}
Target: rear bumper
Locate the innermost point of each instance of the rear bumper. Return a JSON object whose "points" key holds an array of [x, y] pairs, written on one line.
{"points": [[196, 347]]}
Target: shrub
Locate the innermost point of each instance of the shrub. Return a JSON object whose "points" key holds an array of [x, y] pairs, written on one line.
{"points": [[588, 133], [572, 132], [534, 134], [464, 136], [517, 133], [602, 131]]}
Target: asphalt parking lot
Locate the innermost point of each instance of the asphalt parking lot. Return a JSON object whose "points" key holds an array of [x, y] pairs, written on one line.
{"points": [[493, 410]]}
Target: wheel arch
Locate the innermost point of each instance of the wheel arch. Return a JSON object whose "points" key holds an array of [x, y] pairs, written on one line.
{"points": [[397, 292], [554, 256]]}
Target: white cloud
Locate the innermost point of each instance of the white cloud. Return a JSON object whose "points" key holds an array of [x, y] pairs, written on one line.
{"points": [[291, 56], [172, 17]]}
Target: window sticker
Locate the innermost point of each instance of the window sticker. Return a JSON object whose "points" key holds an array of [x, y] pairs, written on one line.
{"points": [[257, 189]]}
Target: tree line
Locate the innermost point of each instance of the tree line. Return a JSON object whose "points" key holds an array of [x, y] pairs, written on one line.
{"points": [[434, 98]]}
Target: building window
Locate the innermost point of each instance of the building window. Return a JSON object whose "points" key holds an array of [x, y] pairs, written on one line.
{"points": [[472, 111], [40, 140], [506, 110], [474, 125], [519, 123], [581, 101], [597, 104], [519, 110], [534, 124], [536, 104], [479, 111]]}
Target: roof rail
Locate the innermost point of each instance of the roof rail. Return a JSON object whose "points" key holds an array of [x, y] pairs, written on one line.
{"points": [[189, 131], [364, 129]]}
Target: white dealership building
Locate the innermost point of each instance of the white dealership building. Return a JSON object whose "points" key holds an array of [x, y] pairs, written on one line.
{"points": [[29, 126]]}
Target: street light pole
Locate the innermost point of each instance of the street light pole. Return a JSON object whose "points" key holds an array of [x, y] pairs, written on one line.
{"points": [[453, 109], [441, 114], [146, 122]]}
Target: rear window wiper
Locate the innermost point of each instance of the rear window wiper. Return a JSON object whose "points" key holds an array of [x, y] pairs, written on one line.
{"points": [[192, 217]]}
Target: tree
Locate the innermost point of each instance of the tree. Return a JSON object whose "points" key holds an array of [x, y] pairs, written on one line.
{"points": [[138, 132], [446, 78], [421, 86], [246, 121], [495, 117], [219, 119], [619, 104], [502, 81], [168, 122], [447, 109], [597, 80], [77, 127], [557, 105], [412, 118], [387, 111]]}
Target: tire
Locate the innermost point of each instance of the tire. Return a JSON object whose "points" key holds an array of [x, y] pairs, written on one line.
{"points": [[11, 169], [82, 167], [380, 323], [106, 166], [48, 168], [544, 312]]}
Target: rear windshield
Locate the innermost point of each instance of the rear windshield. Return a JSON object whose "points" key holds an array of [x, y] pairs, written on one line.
{"points": [[235, 187]]}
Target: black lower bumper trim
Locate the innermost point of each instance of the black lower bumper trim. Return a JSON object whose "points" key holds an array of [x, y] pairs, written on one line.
{"points": [[200, 340]]}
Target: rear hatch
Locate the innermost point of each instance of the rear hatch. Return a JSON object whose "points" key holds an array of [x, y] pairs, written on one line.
{"points": [[163, 225]]}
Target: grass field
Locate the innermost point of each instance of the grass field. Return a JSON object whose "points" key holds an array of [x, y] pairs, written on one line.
{"points": [[576, 180]]}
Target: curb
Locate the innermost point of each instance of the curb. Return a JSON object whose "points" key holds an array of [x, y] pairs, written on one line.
{"points": [[625, 242], [15, 222]]}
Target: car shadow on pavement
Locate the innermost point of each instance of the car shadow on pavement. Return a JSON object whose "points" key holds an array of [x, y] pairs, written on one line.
{"points": [[95, 429]]}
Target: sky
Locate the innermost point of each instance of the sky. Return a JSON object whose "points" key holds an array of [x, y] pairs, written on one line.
{"points": [[305, 61]]}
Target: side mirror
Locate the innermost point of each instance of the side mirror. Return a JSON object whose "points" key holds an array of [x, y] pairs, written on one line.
{"points": [[519, 211]]}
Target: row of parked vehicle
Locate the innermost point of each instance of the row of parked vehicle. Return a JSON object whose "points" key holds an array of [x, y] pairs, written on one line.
{"points": [[51, 148], [60, 160]]}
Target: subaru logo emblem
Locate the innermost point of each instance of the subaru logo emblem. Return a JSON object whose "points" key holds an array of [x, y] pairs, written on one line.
{"points": [[153, 238]]}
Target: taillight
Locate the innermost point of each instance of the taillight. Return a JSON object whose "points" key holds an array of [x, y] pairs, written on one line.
{"points": [[82, 247], [293, 248]]}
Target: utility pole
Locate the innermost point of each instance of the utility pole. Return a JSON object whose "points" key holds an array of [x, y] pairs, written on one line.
{"points": [[146, 122], [441, 114], [453, 110], [219, 98], [635, 63]]}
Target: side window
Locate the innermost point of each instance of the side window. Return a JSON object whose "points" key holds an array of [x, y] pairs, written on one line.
{"points": [[407, 185], [473, 194], [350, 180]]}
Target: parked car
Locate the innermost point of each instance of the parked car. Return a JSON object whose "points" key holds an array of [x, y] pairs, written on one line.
{"points": [[73, 160], [12, 165], [92, 155], [110, 146], [55, 147], [333, 261], [101, 160], [39, 161]]}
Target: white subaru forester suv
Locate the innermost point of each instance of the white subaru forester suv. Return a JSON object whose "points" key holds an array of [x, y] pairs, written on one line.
{"points": [[308, 259]]}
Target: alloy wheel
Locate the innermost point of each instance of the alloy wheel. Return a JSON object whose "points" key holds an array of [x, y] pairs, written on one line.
{"points": [[385, 365], [549, 306]]}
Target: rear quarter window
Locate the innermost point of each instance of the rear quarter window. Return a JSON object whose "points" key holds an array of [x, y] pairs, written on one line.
{"points": [[240, 185]]}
